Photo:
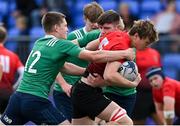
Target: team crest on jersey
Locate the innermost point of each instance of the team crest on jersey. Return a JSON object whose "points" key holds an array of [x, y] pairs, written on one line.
{"points": [[103, 43]]}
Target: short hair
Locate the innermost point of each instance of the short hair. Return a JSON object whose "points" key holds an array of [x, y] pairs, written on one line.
{"points": [[50, 19], [109, 16], [3, 34], [145, 29], [92, 11]]}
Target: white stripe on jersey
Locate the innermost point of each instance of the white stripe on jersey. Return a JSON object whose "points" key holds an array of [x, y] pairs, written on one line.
{"points": [[76, 34], [52, 42], [80, 34], [5, 60]]}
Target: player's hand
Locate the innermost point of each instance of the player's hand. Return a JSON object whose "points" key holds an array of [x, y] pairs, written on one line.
{"points": [[66, 88], [96, 80], [131, 54], [137, 80]]}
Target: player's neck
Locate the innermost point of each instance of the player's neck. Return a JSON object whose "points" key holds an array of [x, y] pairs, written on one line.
{"points": [[86, 29], [131, 40], [52, 34]]}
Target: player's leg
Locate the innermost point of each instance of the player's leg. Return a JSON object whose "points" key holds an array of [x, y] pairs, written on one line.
{"points": [[144, 107], [127, 102], [89, 101], [84, 99], [63, 103], [41, 111], [82, 121], [114, 113], [12, 114], [4, 98]]}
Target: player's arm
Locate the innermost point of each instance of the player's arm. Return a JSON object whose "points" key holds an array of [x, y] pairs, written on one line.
{"points": [[159, 111], [20, 71], [93, 45], [169, 111], [72, 69], [1, 71], [64, 85], [75, 41], [113, 77], [96, 80], [105, 56]]}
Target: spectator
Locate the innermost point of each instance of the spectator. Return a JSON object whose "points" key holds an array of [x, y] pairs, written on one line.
{"points": [[127, 17], [23, 45], [175, 46], [166, 94], [11, 64], [168, 21], [60, 6], [144, 106], [26, 8]]}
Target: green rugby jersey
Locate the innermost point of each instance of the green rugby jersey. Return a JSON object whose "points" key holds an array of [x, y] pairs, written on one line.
{"points": [[77, 34], [43, 64], [90, 36], [122, 91]]}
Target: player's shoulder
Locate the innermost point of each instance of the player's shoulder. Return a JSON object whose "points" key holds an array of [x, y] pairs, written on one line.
{"points": [[152, 50], [78, 33], [117, 34], [170, 81], [9, 52]]}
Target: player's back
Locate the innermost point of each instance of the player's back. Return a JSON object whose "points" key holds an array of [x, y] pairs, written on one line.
{"points": [[46, 58], [117, 40], [10, 62], [146, 59]]}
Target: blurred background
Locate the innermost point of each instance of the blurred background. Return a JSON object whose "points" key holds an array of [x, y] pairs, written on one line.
{"points": [[22, 18]]}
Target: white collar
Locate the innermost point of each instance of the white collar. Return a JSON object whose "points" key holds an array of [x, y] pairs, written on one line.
{"points": [[49, 36]]}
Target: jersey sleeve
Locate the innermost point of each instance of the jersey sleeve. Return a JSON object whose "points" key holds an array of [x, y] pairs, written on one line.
{"points": [[90, 36], [169, 89], [71, 36], [69, 48]]}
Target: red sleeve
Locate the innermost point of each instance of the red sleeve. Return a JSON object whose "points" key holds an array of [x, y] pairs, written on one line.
{"points": [[169, 89]]}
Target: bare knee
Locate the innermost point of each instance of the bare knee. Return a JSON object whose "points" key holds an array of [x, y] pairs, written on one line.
{"points": [[129, 121], [126, 120]]}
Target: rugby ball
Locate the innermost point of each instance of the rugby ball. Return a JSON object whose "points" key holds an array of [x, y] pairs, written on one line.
{"points": [[128, 70]]}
